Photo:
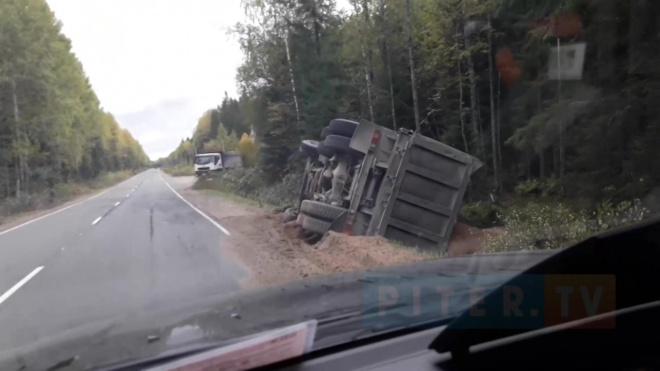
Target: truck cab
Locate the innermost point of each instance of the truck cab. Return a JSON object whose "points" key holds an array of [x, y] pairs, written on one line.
{"points": [[206, 163]]}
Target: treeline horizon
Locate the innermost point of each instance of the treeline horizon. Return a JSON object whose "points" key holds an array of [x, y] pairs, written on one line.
{"points": [[52, 127]]}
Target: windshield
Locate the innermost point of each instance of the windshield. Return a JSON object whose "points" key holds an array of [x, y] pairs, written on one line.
{"points": [[402, 138], [204, 160]]}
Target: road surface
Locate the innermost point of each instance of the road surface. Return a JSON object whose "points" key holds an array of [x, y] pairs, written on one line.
{"points": [[135, 247]]}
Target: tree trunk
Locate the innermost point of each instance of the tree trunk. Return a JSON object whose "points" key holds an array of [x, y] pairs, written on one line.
{"points": [[461, 112], [474, 108], [389, 76], [561, 123], [528, 164], [293, 81], [637, 35], [366, 60], [20, 168], [493, 128], [539, 98], [387, 59], [367, 77], [317, 28], [413, 82], [499, 126]]}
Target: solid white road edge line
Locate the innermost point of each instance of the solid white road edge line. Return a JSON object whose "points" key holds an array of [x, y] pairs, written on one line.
{"points": [[97, 220], [20, 283], [200, 212], [62, 209]]}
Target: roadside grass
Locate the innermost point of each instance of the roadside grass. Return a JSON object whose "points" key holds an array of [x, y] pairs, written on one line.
{"points": [[541, 225], [248, 185], [60, 193], [236, 198], [527, 223], [180, 170], [425, 253]]}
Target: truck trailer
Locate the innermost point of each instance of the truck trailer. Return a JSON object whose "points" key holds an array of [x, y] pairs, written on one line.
{"points": [[365, 179]]}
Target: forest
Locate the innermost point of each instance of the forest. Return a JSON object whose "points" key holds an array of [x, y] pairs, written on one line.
{"points": [[471, 73], [53, 131]]}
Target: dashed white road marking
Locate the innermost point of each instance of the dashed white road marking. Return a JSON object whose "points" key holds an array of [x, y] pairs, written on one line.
{"points": [[20, 283], [216, 224], [97, 220], [117, 204], [62, 209]]}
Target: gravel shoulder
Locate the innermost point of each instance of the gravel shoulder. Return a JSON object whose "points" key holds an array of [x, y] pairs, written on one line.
{"points": [[274, 252]]}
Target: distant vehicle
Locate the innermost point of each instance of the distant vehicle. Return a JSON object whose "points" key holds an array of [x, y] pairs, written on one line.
{"points": [[206, 163]]}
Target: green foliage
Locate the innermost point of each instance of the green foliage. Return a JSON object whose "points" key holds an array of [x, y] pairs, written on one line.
{"points": [[537, 225], [596, 139], [249, 150], [60, 192], [481, 214], [538, 187], [251, 184], [52, 129], [180, 170]]}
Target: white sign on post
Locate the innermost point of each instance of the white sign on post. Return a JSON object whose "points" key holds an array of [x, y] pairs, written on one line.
{"points": [[566, 62]]}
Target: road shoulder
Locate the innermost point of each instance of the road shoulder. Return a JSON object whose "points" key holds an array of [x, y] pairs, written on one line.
{"points": [[273, 250]]}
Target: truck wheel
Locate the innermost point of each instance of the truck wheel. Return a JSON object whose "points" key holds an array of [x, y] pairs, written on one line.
{"points": [[289, 215], [310, 148], [342, 127], [341, 145], [324, 150], [324, 132], [321, 210], [337, 143], [315, 225]]}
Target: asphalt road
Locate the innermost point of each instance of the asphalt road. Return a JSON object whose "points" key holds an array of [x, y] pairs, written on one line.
{"points": [[133, 248]]}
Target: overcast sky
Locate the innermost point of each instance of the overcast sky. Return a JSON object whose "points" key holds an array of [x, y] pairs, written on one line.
{"points": [[157, 65]]}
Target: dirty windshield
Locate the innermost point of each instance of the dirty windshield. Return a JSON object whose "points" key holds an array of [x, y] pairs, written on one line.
{"points": [[357, 137], [203, 160]]}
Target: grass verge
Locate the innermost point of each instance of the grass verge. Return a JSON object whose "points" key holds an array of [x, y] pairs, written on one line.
{"points": [[248, 184], [60, 193], [236, 198], [180, 170]]}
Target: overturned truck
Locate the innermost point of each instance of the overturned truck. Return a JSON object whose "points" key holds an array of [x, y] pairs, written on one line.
{"points": [[364, 180]]}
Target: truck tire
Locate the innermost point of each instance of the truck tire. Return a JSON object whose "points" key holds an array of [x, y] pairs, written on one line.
{"points": [[325, 151], [319, 226], [324, 132], [321, 210], [337, 143], [345, 128], [310, 148], [340, 145]]}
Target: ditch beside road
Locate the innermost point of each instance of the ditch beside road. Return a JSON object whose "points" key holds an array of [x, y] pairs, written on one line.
{"points": [[274, 252]]}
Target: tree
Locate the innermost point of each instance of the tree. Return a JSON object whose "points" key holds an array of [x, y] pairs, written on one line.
{"points": [[413, 82], [445, 69], [249, 150], [52, 129]]}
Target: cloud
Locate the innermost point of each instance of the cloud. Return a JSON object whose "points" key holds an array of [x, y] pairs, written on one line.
{"points": [[156, 65], [160, 127]]}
